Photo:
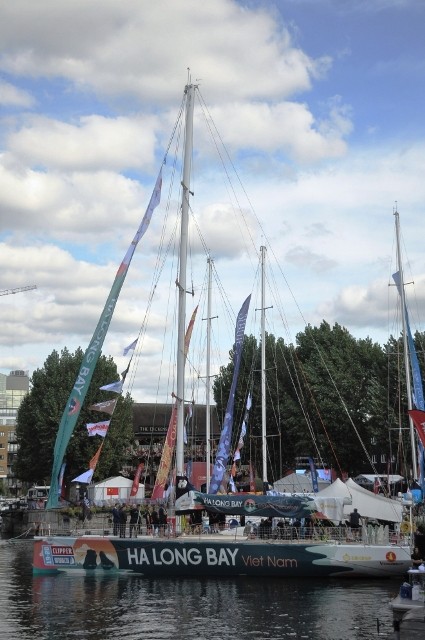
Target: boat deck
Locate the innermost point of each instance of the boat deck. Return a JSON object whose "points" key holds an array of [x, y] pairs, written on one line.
{"points": [[100, 525]]}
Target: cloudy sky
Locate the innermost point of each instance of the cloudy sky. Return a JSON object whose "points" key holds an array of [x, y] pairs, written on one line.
{"points": [[319, 104]]}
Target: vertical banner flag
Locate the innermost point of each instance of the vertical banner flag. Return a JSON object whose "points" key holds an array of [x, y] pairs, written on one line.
{"points": [[251, 477], [170, 440], [60, 481], [237, 455], [91, 356], [223, 450], [166, 456], [186, 422], [376, 485], [136, 481]]}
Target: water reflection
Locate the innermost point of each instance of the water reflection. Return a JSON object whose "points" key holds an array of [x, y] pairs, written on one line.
{"points": [[131, 607]]}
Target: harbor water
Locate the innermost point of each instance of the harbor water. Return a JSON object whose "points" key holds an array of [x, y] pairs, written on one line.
{"points": [[70, 607]]}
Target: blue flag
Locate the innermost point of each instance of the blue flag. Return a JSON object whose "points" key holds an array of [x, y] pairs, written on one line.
{"points": [[223, 451]]}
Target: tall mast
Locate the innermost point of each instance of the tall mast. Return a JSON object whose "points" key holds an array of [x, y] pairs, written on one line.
{"points": [[405, 346], [181, 327], [207, 400], [263, 368]]}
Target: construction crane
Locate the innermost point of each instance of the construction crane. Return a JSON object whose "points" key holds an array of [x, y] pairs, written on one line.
{"points": [[7, 292]]}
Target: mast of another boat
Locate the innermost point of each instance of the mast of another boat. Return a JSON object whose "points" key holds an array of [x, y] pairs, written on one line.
{"points": [[405, 346], [263, 370], [181, 283]]}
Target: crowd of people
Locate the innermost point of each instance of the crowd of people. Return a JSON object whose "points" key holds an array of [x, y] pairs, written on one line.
{"points": [[153, 519]]}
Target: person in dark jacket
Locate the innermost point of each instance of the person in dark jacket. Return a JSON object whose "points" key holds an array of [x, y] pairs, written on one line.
{"points": [[155, 521], [355, 522], [134, 521], [123, 520], [116, 519], [162, 520]]}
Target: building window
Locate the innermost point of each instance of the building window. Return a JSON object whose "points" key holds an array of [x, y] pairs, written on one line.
{"points": [[373, 440], [374, 460], [383, 458]]}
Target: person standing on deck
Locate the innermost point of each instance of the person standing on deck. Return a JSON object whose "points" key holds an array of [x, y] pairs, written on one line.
{"points": [[134, 521], [355, 522], [123, 520], [116, 519]]}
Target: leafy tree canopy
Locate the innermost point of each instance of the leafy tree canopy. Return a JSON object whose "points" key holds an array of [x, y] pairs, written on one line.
{"points": [[41, 411], [327, 397]]}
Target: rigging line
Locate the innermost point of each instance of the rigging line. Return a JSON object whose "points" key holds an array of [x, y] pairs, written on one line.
{"points": [[225, 298], [345, 408], [298, 389], [158, 268], [177, 124], [313, 399], [209, 120], [269, 247]]}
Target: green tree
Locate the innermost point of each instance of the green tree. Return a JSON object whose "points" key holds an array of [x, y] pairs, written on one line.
{"points": [[345, 377], [41, 410], [325, 397]]}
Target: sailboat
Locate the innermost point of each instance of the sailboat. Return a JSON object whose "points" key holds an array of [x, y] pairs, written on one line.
{"points": [[411, 596], [293, 553]]}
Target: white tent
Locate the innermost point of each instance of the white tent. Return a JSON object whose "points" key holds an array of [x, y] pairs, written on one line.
{"points": [[113, 490], [368, 479], [297, 483], [368, 504]]}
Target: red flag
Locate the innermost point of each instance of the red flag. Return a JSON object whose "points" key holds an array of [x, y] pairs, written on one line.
{"points": [[93, 462], [376, 485], [418, 418], [170, 440], [135, 486], [189, 330]]}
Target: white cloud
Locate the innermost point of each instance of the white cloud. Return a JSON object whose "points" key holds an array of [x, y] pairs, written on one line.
{"points": [[103, 81], [12, 96], [96, 141], [114, 55]]}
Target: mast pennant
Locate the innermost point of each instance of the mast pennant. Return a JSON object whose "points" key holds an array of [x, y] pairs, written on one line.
{"points": [[91, 356]]}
